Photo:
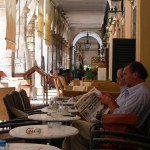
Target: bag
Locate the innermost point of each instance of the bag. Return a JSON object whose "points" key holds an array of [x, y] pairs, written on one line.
{"points": [[121, 123]]}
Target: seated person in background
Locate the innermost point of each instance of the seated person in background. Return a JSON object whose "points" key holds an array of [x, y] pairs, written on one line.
{"points": [[82, 140], [51, 73], [51, 81], [123, 87], [55, 74]]}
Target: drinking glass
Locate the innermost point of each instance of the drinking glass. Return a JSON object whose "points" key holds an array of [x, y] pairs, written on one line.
{"points": [[60, 106], [53, 103]]}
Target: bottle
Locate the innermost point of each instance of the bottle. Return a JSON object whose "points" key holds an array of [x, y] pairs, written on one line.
{"points": [[2, 144]]}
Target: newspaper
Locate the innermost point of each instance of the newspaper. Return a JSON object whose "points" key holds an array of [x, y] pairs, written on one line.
{"points": [[89, 104]]}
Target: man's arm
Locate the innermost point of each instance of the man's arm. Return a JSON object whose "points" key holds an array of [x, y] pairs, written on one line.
{"points": [[107, 100]]}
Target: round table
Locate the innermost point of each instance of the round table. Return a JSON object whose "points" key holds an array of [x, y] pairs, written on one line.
{"points": [[69, 103], [46, 132], [46, 117], [46, 109], [29, 146]]}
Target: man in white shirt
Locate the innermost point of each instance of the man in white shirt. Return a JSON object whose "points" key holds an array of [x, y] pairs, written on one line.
{"points": [[82, 140]]}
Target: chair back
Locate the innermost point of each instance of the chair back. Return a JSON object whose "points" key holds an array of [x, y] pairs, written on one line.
{"points": [[145, 128], [25, 99], [57, 88], [8, 102], [121, 123], [17, 100], [63, 81], [148, 126]]}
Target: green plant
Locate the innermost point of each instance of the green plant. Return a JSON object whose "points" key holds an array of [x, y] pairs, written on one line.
{"points": [[91, 75]]}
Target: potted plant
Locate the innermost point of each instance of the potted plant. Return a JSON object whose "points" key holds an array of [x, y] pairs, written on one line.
{"points": [[91, 75]]}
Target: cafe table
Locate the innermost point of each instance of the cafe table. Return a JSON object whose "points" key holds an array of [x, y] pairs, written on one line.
{"points": [[43, 132], [68, 103], [49, 110], [54, 117], [29, 146]]}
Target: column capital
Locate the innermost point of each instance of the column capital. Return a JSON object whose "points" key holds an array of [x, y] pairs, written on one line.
{"points": [[34, 17], [52, 33], [55, 35], [58, 36], [26, 10], [65, 42]]}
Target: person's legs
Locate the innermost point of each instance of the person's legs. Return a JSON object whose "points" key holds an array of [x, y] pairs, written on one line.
{"points": [[80, 141]]}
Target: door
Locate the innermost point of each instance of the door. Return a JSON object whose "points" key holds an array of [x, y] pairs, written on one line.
{"points": [[123, 53]]}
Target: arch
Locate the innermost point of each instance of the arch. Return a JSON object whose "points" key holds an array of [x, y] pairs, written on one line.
{"points": [[79, 36], [92, 34]]}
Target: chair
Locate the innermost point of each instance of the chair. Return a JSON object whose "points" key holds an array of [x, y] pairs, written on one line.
{"points": [[63, 81], [26, 101], [19, 108], [58, 86], [8, 102], [17, 100], [51, 81], [121, 140], [12, 111], [6, 126], [16, 117], [4, 132]]}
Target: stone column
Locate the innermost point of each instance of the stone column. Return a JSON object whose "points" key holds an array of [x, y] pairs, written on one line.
{"points": [[70, 57], [63, 53], [6, 56], [55, 47], [50, 51], [21, 43], [67, 55], [59, 52], [31, 37]]}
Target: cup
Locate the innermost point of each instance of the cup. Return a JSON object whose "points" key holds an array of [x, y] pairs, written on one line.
{"points": [[52, 103]]}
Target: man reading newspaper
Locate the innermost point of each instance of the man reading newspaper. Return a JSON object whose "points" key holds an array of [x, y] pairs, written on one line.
{"points": [[136, 99], [82, 139]]}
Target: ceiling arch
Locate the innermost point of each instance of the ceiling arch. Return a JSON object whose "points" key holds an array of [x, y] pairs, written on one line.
{"points": [[83, 34]]}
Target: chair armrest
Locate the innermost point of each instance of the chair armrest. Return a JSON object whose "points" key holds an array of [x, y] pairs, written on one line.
{"points": [[38, 107], [128, 135], [129, 138], [126, 142], [97, 125], [18, 122]]}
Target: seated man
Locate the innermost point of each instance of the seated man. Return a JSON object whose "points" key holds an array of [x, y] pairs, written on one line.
{"points": [[81, 141], [137, 96], [136, 100]]}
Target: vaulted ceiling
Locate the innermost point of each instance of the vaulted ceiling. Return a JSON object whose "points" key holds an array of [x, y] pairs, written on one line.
{"points": [[83, 14]]}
